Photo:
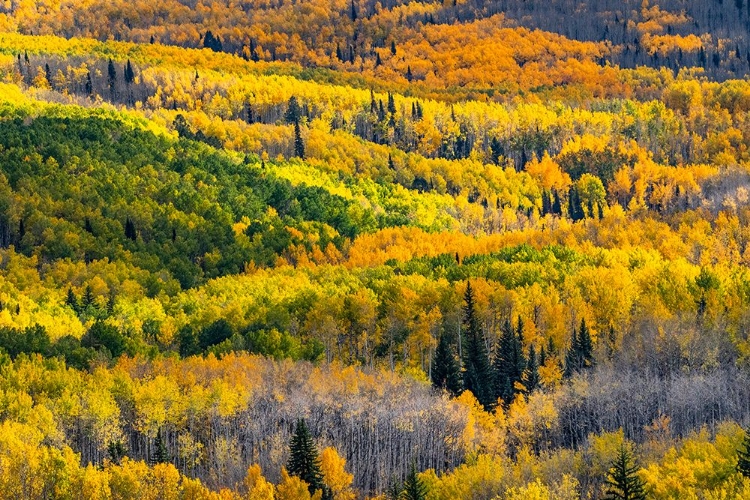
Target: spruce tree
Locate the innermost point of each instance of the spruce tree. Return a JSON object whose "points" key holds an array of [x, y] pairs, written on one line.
{"points": [[504, 363], [445, 370], [622, 480], [478, 372], [72, 300], [303, 459], [532, 371], [586, 346], [161, 455], [299, 145], [743, 456], [414, 488]]}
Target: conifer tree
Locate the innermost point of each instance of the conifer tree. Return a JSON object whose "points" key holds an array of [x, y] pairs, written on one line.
{"points": [[299, 145], [72, 300], [445, 370], [161, 455], [743, 456], [112, 77], [622, 480], [531, 377], [478, 373], [303, 459], [414, 488]]}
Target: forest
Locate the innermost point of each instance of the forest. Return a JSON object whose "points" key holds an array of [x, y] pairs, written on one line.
{"points": [[374, 250]]}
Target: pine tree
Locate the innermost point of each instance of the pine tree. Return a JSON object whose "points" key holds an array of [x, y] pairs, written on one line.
{"points": [[393, 47], [299, 145], [503, 363], [72, 300], [293, 110], [414, 488], [585, 345], [88, 297], [532, 371], [743, 456], [303, 459], [445, 371], [409, 76], [622, 479], [89, 87], [161, 455], [478, 373], [572, 356], [129, 73], [112, 77], [353, 12]]}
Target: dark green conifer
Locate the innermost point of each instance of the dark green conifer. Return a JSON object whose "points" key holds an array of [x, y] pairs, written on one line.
{"points": [[477, 376], [299, 145], [743, 456], [161, 455], [622, 479], [303, 459], [445, 370], [414, 488]]}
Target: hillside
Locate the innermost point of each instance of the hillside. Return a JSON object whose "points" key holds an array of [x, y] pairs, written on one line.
{"points": [[475, 250]]}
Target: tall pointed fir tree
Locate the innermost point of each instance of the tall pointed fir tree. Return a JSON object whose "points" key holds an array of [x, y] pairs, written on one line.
{"points": [[509, 363], [160, 455], [622, 479], [299, 145], [581, 352], [303, 459], [446, 373], [414, 488], [477, 370], [531, 376], [743, 456]]}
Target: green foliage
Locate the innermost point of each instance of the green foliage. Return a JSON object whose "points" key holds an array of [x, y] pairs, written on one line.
{"points": [[303, 458], [477, 376], [414, 488], [446, 373], [623, 480], [743, 456]]}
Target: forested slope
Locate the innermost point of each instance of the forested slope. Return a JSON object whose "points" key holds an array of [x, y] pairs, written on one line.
{"points": [[477, 259]]}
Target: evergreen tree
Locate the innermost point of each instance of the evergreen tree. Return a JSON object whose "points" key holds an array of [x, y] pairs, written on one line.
{"points": [[414, 488], [581, 352], [303, 459], [504, 363], [532, 371], [88, 297], [446, 373], [161, 455], [478, 373], [112, 77], [353, 12], [572, 356], [586, 345], [72, 300], [622, 479], [299, 145], [743, 456], [393, 48], [129, 73], [556, 204], [293, 110], [89, 86]]}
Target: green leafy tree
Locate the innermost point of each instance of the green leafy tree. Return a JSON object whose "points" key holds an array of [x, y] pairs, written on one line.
{"points": [[303, 460], [622, 479]]}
